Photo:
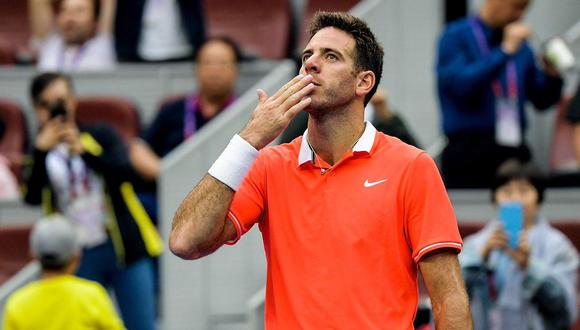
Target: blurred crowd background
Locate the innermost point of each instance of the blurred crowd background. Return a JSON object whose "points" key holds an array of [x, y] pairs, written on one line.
{"points": [[161, 86]]}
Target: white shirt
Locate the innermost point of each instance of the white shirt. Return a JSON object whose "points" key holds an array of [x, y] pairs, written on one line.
{"points": [[79, 193], [97, 54], [162, 35]]}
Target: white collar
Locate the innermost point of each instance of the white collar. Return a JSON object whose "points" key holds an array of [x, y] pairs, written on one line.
{"points": [[364, 144]]}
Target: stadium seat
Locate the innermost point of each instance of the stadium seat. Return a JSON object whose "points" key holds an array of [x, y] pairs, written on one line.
{"points": [[15, 32], [14, 142], [7, 54], [260, 27], [561, 148], [14, 251], [312, 6], [120, 113]]}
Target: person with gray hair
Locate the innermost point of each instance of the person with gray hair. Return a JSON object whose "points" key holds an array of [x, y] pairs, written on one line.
{"points": [[59, 300]]}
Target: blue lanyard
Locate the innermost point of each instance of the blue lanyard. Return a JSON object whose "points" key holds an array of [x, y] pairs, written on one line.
{"points": [[189, 120], [189, 117], [512, 77]]}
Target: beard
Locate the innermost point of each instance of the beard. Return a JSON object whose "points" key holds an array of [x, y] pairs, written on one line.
{"points": [[324, 101]]}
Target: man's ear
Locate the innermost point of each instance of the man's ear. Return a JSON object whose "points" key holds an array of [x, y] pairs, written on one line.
{"points": [[365, 83]]}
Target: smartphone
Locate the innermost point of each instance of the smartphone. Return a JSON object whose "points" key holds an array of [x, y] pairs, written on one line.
{"points": [[511, 215]]}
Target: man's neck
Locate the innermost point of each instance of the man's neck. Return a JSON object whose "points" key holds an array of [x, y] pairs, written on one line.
{"points": [[47, 274], [211, 105], [333, 134]]}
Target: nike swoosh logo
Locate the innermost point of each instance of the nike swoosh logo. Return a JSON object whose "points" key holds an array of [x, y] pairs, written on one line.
{"points": [[368, 184]]}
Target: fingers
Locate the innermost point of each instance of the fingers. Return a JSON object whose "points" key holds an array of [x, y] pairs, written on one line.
{"points": [[291, 90], [262, 97], [287, 86], [295, 109], [70, 133], [298, 96]]}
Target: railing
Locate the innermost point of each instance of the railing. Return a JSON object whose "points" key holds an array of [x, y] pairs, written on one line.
{"points": [[211, 292]]}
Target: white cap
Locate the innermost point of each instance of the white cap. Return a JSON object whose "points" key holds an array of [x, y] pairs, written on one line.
{"points": [[54, 241]]}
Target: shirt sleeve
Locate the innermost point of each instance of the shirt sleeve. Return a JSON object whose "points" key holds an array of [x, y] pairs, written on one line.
{"points": [[107, 316], [430, 220], [249, 201], [8, 322]]}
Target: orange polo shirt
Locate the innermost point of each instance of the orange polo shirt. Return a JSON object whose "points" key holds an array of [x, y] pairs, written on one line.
{"points": [[342, 243]]}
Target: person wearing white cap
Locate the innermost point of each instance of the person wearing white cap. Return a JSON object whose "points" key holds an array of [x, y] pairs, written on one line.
{"points": [[59, 300]]}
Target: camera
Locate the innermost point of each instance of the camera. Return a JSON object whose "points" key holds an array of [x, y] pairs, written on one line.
{"points": [[58, 110]]}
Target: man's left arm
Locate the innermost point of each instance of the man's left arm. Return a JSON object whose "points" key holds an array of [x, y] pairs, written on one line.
{"points": [[107, 18], [442, 276], [543, 83]]}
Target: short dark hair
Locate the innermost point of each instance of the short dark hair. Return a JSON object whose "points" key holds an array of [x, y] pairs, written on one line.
{"points": [[43, 80], [96, 9], [368, 52], [2, 126], [238, 57], [51, 263], [513, 169]]}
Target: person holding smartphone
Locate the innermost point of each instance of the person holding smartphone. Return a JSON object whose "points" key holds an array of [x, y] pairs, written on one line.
{"points": [[528, 282]]}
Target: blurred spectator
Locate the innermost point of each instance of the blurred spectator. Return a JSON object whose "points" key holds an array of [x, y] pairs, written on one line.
{"points": [[527, 285], [378, 112], [59, 300], [8, 183], [216, 72], [84, 173], [158, 30], [388, 121], [573, 115], [485, 72], [81, 39]]}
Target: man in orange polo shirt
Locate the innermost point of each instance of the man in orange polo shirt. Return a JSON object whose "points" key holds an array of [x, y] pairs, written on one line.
{"points": [[347, 214]]}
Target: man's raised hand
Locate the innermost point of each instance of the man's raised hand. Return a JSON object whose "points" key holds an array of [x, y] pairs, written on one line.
{"points": [[274, 113]]}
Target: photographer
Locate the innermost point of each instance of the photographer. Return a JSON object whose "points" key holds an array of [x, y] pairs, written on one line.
{"points": [[84, 173]]}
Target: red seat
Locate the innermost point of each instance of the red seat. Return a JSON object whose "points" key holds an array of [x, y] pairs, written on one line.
{"points": [[312, 6], [562, 149], [15, 31], [119, 113], [13, 143], [7, 53], [14, 250], [260, 27]]}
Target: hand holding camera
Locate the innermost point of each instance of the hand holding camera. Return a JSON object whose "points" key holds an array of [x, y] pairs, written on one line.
{"points": [[71, 136], [58, 130], [50, 135]]}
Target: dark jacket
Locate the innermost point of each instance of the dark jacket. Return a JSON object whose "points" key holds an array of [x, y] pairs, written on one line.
{"points": [[129, 227], [128, 26]]}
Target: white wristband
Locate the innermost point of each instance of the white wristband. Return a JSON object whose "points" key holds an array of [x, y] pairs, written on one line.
{"points": [[234, 163]]}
